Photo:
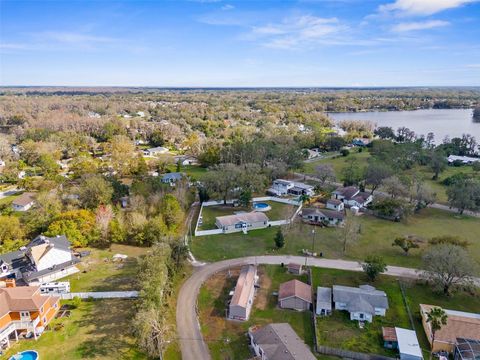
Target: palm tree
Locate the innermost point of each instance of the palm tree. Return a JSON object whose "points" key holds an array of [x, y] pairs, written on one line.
{"points": [[437, 318]]}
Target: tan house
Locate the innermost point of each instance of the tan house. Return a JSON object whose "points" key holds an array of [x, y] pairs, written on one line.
{"points": [[24, 202], [242, 300], [295, 295], [459, 325], [24, 309]]}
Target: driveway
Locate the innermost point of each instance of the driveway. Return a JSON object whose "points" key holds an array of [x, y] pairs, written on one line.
{"points": [[188, 328]]}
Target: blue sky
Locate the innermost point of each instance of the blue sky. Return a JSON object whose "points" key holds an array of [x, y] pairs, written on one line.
{"points": [[240, 43]]}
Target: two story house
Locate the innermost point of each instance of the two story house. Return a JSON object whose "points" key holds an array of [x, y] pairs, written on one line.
{"points": [[352, 196]]}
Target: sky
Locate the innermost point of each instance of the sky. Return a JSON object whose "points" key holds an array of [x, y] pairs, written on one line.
{"points": [[220, 43]]}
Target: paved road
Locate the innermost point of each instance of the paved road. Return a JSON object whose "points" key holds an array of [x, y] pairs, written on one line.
{"points": [[434, 206], [191, 342]]}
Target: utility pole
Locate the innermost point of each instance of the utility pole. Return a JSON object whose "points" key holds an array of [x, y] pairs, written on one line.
{"points": [[313, 241]]}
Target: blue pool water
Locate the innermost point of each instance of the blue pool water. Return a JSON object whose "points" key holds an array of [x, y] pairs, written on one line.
{"points": [[261, 205], [25, 355]]}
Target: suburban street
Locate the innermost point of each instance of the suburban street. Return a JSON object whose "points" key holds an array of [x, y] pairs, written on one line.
{"points": [[188, 328]]}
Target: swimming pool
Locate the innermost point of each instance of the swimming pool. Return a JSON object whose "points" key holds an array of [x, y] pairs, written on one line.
{"points": [[26, 355], [261, 206]]}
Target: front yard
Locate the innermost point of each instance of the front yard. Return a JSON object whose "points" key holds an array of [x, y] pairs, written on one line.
{"points": [[376, 237], [227, 339]]}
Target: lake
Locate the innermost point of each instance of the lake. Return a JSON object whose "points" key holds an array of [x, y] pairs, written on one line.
{"points": [[451, 122]]}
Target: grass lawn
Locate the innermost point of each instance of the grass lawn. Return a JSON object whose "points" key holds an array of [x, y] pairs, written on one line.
{"points": [[227, 339], [338, 331], [95, 330], [7, 200], [99, 273], [376, 238], [279, 211], [195, 172], [339, 162]]}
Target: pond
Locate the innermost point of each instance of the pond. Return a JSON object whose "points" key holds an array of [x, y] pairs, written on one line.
{"points": [[448, 122]]}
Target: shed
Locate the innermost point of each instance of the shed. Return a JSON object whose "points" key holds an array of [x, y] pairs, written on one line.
{"points": [[389, 338], [408, 345], [294, 268], [295, 295], [324, 301]]}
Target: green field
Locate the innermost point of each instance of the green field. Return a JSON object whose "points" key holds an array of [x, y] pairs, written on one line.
{"points": [[95, 330], [227, 339], [339, 162], [338, 331], [279, 211], [376, 237]]}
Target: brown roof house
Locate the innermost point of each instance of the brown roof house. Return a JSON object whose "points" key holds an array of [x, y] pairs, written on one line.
{"points": [[459, 325], [24, 309], [324, 217], [295, 295], [278, 342], [242, 300], [24, 202], [294, 268], [242, 222]]}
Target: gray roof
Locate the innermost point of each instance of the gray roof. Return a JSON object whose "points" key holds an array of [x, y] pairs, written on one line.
{"points": [[172, 176], [29, 273], [347, 192], [362, 299], [16, 259], [323, 212], [302, 186], [324, 298], [59, 241], [280, 342], [282, 181]]}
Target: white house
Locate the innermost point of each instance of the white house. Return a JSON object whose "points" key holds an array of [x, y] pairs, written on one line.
{"points": [[186, 160], [24, 202], [316, 216], [363, 303], [44, 259], [408, 346], [159, 150], [172, 178], [334, 204], [242, 300], [242, 222], [2, 163], [467, 160], [281, 187], [352, 196]]}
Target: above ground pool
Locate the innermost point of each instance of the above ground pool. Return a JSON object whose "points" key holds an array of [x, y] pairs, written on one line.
{"points": [[26, 355], [261, 206]]}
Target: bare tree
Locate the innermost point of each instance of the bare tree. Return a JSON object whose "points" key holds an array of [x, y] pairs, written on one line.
{"points": [[325, 174], [350, 232]]}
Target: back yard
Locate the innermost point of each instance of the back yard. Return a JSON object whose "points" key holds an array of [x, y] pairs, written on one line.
{"points": [[227, 339], [338, 331], [376, 236]]}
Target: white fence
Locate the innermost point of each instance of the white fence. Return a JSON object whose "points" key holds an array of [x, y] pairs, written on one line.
{"points": [[257, 199], [101, 295]]}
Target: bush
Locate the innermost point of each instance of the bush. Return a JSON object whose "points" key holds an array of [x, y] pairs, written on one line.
{"points": [[345, 152]]}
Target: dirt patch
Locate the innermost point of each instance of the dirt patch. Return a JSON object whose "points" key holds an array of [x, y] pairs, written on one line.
{"points": [[261, 300]]}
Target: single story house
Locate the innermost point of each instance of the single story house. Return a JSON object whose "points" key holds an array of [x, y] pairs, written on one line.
{"points": [[172, 178], [467, 349], [334, 204], [405, 340], [24, 202], [25, 309], [278, 342], [242, 222], [295, 295], [159, 150], [44, 259], [352, 196], [363, 303], [242, 300], [2, 163], [361, 142], [459, 325], [317, 216], [294, 268], [324, 301], [467, 160], [186, 160]]}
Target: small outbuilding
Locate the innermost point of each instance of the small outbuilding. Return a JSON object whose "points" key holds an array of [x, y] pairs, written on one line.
{"points": [[294, 268], [408, 345], [295, 295]]}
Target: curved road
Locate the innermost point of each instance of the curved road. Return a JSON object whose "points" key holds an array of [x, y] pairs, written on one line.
{"points": [[191, 342]]}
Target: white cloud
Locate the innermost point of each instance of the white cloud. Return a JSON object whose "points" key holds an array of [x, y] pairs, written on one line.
{"points": [[298, 31], [73, 38], [419, 25], [227, 7], [422, 7], [473, 66]]}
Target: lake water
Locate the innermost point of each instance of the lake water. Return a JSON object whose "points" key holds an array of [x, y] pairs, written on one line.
{"points": [[451, 122]]}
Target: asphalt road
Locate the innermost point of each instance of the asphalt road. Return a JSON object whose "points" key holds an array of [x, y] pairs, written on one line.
{"points": [[191, 341]]}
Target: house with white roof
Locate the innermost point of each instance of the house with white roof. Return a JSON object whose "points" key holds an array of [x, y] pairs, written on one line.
{"points": [[467, 160], [242, 300], [281, 187], [159, 150]]}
